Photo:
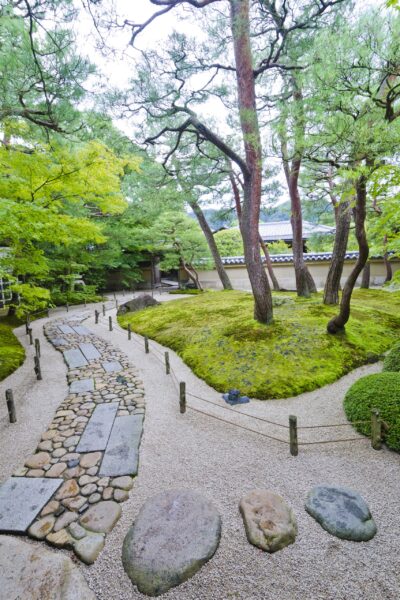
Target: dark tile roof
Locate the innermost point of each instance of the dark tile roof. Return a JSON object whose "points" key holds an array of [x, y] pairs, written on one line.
{"points": [[288, 258]]}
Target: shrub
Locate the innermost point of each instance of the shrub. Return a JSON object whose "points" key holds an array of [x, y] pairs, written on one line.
{"points": [[381, 391], [187, 291], [12, 353], [88, 293], [392, 360]]}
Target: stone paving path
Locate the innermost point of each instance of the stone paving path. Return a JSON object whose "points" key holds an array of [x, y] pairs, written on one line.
{"points": [[69, 492]]}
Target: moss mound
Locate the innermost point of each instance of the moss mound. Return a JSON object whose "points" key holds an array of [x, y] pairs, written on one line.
{"points": [[381, 391], [392, 360], [12, 354], [216, 335]]}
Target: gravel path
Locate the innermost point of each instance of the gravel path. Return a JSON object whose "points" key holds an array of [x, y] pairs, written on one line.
{"points": [[223, 462]]}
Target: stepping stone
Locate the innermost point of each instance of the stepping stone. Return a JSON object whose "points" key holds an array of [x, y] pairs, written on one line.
{"points": [[81, 385], [89, 351], [35, 572], [58, 341], [81, 330], [111, 366], [269, 522], [122, 452], [342, 512], [74, 358], [22, 499], [98, 428], [174, 535], [101, 517], [65, 329]]}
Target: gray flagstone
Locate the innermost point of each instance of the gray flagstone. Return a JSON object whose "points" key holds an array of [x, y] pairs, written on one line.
{"points": [[97, 431], [74, 358], [122, 452], [89, 351]]}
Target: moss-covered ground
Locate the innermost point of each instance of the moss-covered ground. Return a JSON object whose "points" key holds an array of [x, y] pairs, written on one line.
{"points": [[12, 354], [216, 335]]}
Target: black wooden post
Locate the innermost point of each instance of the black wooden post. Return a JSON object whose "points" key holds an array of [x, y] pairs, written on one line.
{"points": [[104, 310], [38, 370], [30, 336], [294, 449], [182, 397], [146, 344], [11, 406], [110, 323], [167, 367], [37, 347], [129, 331], [96, 316]]}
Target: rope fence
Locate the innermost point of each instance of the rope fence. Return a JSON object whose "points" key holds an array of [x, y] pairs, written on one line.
{"points": [[378, 427]]}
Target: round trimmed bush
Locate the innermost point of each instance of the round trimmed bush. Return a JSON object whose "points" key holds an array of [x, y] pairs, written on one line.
{"points": [[392, 360], [380, 391]]}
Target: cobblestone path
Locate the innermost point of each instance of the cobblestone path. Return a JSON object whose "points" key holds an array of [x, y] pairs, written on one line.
{"points": [[70, 490]]}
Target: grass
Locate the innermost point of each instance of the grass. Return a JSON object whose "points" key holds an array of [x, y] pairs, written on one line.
{"points": [[381, 391], [216, 335], [12, 354]]}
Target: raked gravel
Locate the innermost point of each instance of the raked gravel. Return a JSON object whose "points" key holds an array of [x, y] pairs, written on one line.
{"points": [[224, 463]]}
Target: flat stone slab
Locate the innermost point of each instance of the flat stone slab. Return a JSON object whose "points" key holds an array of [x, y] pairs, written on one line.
{"points": [[74, 358], [89, 351], [175, 533], [269, 522], [81, 385], [34, 572], [122, 453], [111, 366], [98, 428], [81, 330], [65, 329], [22, 499], [58, 341], [342, 512]]}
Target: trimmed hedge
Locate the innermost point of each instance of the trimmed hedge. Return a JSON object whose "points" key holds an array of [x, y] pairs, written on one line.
{"points": [[381, 391], [392, 360]]}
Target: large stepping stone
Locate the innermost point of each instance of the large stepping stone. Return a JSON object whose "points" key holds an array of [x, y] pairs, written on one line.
{"points": [[175, 533], [112, 365], [81, 330], [89, 351], [33, 572], [269, 522], [81, 385], [65, 329], [122, 452], [98, 428], [22, 499], [74, 358], [342, 512]]}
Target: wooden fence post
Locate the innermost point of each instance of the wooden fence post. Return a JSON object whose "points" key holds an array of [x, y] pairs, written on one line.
{"points": [[110, 323], [30, 336], [27, 323], [129, 332], [11, 406], [116, 303], [167, 367], [376, 430], [146, 344], [96, 317], [104, 310], [294, 449], [182, 397], [38, 370], [37, 347]]}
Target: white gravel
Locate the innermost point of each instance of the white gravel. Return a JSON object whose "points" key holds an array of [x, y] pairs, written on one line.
{"points": [[223, 462]]}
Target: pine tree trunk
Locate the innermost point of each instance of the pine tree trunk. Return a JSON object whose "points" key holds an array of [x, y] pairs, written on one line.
{"points": [[249, 222], [226, 284], [366, 276], [332, 284], [338, 323], [268, 262]]}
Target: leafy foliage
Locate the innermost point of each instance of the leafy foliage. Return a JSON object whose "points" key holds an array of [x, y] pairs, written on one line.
{"points": [[229, 242], [12, 353], [380, 391], [392, 360]]}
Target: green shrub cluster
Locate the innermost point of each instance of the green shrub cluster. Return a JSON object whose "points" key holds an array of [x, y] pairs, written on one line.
{"points": [[392, 360], [12, 354], [380, 391], [60, 298]]}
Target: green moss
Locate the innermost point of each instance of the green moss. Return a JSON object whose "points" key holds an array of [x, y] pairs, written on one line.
{"points": [[216, 335], [392, 360], [381, 391], [12, 354], [187, 292]]}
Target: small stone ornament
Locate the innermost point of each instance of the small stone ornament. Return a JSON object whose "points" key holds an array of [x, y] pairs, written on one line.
{"points": [[234, 397]]}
